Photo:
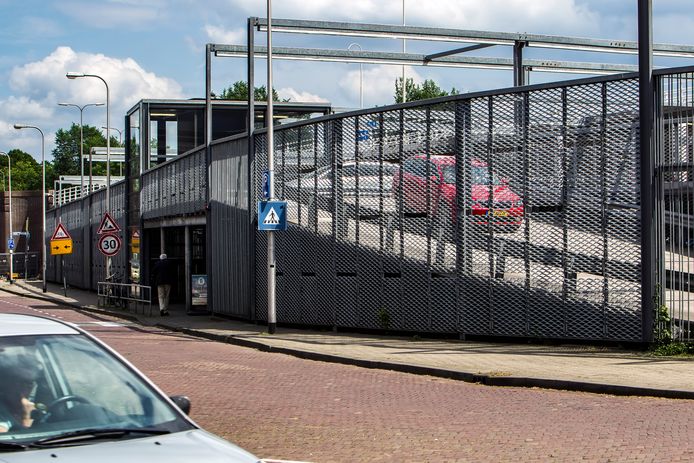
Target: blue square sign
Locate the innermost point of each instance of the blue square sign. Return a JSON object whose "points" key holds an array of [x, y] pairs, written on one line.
{"points": [[272, 215], [10, 244]]}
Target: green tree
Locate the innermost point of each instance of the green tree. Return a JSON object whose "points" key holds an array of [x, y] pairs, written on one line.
{"points": [[416, 92], [26, 172], [66, 154], [239, 91]]}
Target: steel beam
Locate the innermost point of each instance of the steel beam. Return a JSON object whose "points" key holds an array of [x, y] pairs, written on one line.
{"points": [[373, 57], [458, 35]]}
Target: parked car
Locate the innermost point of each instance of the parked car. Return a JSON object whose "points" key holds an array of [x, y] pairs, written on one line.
{"points": [[89, 404], [505, 213], [365, 175]]}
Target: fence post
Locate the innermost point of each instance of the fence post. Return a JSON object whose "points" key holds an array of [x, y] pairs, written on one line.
{"points": [[645, 36]]}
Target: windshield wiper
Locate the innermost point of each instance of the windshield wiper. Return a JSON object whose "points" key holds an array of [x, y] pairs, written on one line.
{"points": [[84, 435], [10, 446]]}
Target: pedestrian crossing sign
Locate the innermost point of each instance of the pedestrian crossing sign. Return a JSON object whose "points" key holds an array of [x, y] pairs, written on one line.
{"points": [[272, 215]]}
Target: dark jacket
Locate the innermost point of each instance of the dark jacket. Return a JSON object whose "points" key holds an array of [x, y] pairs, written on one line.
{"points": [[164, 272]]}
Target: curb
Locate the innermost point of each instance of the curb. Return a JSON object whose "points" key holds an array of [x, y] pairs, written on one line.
{"points": [[486, 380], [79, 307]]}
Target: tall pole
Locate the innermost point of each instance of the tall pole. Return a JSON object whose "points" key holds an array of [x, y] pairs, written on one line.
{"points": [[82, 108], [9, 181], [120, 142], [43, 200], [648, 265], [120, 133], [404, 78], [361, 77], [75, 75], [271, 310]]}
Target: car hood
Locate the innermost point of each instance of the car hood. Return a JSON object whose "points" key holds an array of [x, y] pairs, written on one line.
{"points": [[500, 193], [186, 446]]}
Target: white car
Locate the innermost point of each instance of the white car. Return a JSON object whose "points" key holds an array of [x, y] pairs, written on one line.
{"points": [[67, 397], [369, 178]]}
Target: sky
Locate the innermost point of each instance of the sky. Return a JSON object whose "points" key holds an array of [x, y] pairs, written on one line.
{"points": [[156, 49]]}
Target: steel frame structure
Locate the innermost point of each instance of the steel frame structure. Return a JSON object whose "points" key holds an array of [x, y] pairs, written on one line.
{"points": [[480, 39]]}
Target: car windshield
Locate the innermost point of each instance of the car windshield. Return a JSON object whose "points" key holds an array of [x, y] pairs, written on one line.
{"points": [[73, 384], [367, 169], [480, 176], [448, 174]]}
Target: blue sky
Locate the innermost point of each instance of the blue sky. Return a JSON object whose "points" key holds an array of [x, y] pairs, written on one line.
{"points": [[155, 49]]}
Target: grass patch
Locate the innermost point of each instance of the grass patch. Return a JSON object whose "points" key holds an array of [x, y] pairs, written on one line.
{"points": [[674, 349]]}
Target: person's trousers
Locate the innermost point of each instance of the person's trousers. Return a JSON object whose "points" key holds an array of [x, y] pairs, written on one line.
{"points": [[163, 292]]}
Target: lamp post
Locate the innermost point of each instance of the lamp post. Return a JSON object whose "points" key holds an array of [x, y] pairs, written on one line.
{"points": [[404, 77], [361, 76], [43, 200], [81, 108], [120, 133], [120, 142], [9, 181], [77, 75]]}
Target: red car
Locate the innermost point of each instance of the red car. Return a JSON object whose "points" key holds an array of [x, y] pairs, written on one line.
{"points": [[506, 212]]}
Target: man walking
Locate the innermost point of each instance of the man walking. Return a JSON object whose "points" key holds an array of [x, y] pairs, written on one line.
{"points": [[164, 278]]}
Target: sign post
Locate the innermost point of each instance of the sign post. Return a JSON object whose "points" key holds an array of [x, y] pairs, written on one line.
{"points": [[109, 244], [61, 243], [272, 215]]}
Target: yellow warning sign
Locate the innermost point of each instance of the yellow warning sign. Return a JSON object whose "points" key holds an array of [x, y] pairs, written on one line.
{"points": [[63, 246]]}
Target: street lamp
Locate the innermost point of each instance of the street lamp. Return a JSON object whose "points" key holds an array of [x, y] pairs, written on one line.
{"points": [[361, 76], [76, 75], [9, 180], [120, 133], [404, 77], [43, 200], [81, 108], [120, 142]]}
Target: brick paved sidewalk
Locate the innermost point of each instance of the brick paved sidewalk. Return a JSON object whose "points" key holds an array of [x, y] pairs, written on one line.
{"points": [[567, 367]]}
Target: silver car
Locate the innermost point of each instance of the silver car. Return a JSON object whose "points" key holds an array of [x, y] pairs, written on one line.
{"points": [[67, 397], [369, 178]]}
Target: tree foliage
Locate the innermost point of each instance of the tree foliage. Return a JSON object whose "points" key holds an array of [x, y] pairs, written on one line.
{"points": [[26, 172], [239, 91], [66, 154], [415, 92]]}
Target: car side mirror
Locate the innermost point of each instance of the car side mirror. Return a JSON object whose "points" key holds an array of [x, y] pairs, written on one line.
{"points": [[182, 402]]}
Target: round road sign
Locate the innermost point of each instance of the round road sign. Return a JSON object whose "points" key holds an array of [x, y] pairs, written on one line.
{"points": [[109, 245]]}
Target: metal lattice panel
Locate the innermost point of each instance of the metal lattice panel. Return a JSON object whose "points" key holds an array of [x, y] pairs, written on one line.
{"points": [[508, 214]]}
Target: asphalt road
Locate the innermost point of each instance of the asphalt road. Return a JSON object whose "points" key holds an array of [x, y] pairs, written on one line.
{"points": [[281, 407]]}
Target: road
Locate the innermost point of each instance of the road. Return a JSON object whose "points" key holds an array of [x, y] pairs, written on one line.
{"points": [[281, 407]]}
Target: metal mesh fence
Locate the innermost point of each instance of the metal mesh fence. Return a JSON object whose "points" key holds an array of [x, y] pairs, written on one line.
{"points": [[82, 219], [674, 205], [511, 214], [176, 188]]}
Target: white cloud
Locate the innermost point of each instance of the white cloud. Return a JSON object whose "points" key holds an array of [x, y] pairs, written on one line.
{"points": [[300, 97], [378, 84], [560, 16], [39, 86], [220, 35], [128, 82], [115, 14]]}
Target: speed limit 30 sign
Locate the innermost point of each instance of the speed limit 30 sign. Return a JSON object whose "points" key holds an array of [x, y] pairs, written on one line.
{"points": [[109, 245]]}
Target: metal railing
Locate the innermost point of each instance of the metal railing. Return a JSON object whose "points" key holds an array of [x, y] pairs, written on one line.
{"points": [[124, 295]]}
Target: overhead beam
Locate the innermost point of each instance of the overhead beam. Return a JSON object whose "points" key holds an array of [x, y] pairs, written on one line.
{"points": [[456, 35], [373, 57], [456, 51]]}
